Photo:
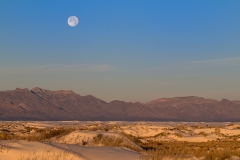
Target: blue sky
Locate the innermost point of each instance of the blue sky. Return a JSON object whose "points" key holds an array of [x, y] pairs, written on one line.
{"points": [[122, 49]]}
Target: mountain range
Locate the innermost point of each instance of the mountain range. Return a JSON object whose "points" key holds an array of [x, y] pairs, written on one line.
{"points": [[42, 104]]}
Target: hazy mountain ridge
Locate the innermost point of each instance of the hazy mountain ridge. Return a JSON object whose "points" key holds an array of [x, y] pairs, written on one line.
{"points": [[41, 104]]}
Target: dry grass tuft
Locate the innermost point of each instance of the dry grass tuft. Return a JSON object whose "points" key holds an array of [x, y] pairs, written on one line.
{"points": [[47, 155], [178, 135], [38, 135], [101, 139], [203, 134], [214, 150], [5, 147]]}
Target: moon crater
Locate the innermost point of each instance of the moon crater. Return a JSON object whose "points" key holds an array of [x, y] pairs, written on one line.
{"points": [[72, 21]]}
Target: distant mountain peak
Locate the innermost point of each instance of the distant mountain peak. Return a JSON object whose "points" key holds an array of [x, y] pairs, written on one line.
{"points": [[21, 89], [37, 89], [42, 104]]}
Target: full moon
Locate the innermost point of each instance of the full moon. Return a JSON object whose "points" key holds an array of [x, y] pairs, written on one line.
{"points": [[72, 21]]}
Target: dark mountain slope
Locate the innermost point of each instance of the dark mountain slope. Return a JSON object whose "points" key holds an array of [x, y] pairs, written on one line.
{"points": [[41, 104]]}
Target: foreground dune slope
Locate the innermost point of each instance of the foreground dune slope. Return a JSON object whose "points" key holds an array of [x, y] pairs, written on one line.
{"points": [[117, 140], [24, 150]]}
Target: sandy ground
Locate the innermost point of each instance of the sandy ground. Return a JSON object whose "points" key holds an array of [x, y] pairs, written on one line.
{"points": [[78, 144], [17, 150]]}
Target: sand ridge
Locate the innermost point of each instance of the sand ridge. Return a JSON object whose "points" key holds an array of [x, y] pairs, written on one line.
{"points": [[98, 140]]}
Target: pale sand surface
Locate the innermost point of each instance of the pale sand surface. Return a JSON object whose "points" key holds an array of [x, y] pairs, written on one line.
{"points": [[23, 149], [85, 131], [105, 153], [16, 150]]}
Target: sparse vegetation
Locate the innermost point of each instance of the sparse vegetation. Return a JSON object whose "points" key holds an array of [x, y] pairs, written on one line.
{"points": [[215, 150], [4, 147], [178, 134], [159, 144], [203, 134], [38, 135], [113, 141], [162, 134], [47, 155]]}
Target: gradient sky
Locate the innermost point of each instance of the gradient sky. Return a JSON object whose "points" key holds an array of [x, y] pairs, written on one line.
{"points": [[131, 50]]}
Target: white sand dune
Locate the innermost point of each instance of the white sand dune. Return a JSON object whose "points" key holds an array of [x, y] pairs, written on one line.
{"points": [[81, 145], [77, 137], [20, 150], [105, 153]]}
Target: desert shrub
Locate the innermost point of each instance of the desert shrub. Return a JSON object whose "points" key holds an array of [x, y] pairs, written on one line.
{"points": [[132, 138], [178, 134], [162, 134], [214, 150], [47, 155], [217, 130], [221, 155], [97, 139], [100, 128], [5, 136], [113, 141], [4, 147], [39, 135], [203, 134], [181, 127], [47, 133], [84, 143], [28, 129]]}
